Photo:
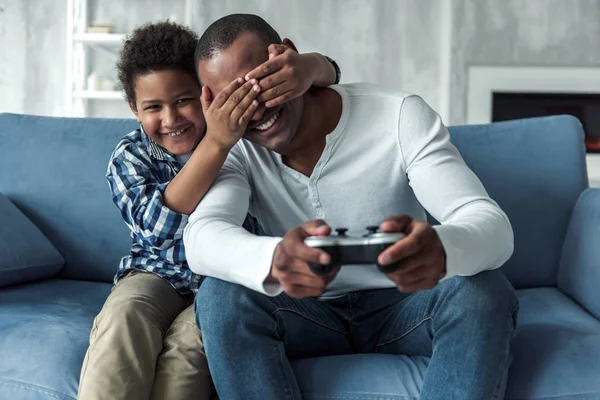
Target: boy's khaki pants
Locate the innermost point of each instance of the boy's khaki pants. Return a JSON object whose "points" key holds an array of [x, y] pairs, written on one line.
{"points": [[145, 345]]}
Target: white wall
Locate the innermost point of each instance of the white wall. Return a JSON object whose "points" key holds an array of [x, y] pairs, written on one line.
{"points": [[391, 42], [395, 43]]}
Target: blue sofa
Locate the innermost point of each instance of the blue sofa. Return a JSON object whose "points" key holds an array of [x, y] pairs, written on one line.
{"points": [[61, 239]]}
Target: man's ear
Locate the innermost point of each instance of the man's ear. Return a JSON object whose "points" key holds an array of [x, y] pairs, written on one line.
{"points": [[134, 109], [290, 44]]}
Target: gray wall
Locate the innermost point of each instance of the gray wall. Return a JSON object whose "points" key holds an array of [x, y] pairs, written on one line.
{"points": [[563, 33], [396, 43]]}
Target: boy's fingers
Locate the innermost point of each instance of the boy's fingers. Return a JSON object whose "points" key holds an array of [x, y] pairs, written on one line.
{"points": [[241, 109], [205, 98], [236, 97], [273, 80], [284, 98], [224, 95], [285, 88], [276, 49], [266, 68], [245, 118]]}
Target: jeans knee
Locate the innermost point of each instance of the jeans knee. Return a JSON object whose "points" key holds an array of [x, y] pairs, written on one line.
{"points": [[488, 294], [223, 306]]}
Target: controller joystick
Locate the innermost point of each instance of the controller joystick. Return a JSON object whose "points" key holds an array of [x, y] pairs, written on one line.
{"points": [[341, 231]]}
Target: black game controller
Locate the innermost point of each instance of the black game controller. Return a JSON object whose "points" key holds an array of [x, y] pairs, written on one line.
{"points": [[348, 250]]}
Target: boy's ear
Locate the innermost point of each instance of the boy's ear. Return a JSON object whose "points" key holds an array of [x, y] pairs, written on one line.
{"points": [[134, 109], [290, 44]]}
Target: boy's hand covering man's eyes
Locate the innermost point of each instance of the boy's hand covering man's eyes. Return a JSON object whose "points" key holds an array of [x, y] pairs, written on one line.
{"points": [[228, 114], [288, 74]]}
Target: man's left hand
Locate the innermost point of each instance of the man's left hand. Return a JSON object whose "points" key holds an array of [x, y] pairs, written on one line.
{"points": [[419, 257]]}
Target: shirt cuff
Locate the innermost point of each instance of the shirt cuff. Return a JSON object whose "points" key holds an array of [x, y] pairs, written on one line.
{"points": [[453, 254], [265, 262]]}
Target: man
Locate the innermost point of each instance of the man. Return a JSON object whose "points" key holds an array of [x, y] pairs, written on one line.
{"points": [[352, 156]]}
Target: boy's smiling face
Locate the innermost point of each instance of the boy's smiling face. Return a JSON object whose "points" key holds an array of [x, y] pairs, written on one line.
{"points": [[167, 103]]}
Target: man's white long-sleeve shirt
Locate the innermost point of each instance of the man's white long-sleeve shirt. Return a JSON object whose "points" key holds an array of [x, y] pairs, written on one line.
{"points": [[389, 154]]}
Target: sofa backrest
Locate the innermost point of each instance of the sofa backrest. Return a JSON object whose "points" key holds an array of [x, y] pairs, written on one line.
{"points": [[535, 169], [54, 169]]}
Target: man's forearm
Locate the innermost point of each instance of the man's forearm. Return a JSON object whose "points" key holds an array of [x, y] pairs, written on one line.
{"points": [[222, 250], [481, 239]]}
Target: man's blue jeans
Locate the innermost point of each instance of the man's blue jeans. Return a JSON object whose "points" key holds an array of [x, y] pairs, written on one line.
{"points": [[465, 325]]}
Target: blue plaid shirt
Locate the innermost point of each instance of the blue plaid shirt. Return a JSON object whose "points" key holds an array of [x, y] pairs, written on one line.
{"points": [[138, 173]]}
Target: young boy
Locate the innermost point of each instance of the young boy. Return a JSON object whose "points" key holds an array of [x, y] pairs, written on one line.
{"points": [[144, 343]]}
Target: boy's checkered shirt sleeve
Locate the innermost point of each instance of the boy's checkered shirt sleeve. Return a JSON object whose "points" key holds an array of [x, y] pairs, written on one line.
{"points": [[139, 200]]}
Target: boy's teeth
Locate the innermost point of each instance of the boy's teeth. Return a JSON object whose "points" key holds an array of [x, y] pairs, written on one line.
{"points": [[266, 125], [176, 133]]}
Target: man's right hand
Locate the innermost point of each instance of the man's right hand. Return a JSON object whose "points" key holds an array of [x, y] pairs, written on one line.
{"points": [[290, 262]]}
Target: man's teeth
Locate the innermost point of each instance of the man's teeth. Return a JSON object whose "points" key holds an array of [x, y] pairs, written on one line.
{"points": [[176, 133], [266, 125]]}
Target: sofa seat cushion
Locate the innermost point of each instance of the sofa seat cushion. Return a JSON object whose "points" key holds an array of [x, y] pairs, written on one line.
{"points": [[556, 356], [557, 349], [45, 326], [44, 333], [361, 377]]}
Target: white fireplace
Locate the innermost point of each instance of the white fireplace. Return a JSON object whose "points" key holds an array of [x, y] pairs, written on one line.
{"points": [[485, 81]]}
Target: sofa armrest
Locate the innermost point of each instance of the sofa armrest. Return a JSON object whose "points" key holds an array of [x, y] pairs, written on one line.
{"points": [[579, 271], [25, 253]]}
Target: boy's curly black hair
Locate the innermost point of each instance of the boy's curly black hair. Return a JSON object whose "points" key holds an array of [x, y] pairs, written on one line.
{"points": [[154, 47]]}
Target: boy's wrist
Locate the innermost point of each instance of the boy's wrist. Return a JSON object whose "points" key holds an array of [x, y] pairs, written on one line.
{"points": [[212, 143], [327, 74]]}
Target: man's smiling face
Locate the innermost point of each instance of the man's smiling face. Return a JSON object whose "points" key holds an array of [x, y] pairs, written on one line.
{"points": [[273, 128]]}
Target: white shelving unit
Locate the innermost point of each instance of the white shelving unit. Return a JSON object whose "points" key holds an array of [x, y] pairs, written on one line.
{"points": [[79, 42]]}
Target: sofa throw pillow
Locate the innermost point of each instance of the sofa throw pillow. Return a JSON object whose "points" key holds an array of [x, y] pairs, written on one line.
{"points": [[25, 253]]}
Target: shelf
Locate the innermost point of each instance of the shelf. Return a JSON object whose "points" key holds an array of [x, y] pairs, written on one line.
{"points": [[83, 49], [100, 38], [98, 94]]}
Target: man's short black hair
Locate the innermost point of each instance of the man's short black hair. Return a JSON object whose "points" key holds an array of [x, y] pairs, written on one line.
{"points": [[224, 31], [153, 47]]}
